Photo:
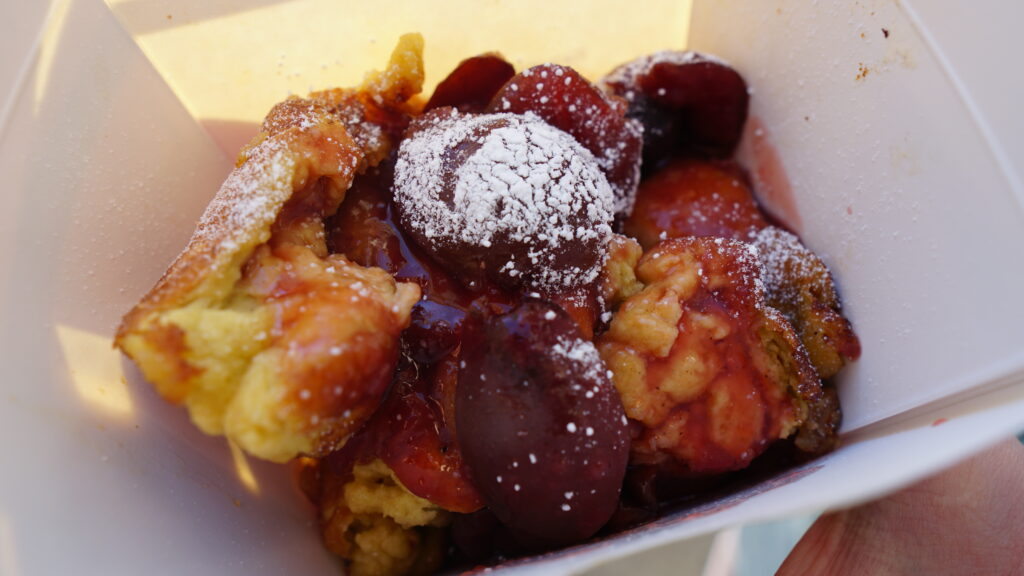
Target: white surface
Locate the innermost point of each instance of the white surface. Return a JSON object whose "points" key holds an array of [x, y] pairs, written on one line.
{"points": [[105, 173], [103, 179], [980, 42]]}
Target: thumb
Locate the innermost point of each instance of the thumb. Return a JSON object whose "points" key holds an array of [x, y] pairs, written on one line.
{"points": [[968, 519]]}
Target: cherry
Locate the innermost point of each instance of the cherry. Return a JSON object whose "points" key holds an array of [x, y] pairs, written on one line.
{"points": [[539, 423], [472, 84], [569, 102], [687, 102]]}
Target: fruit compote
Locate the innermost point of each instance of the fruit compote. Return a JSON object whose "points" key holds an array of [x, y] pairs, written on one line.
{"points": [[553, 384]]}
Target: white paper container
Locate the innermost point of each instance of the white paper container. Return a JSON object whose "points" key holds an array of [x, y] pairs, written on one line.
{"points": [[906, 175]]}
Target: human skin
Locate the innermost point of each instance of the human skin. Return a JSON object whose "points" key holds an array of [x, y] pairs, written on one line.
{"points": [[966, 520]]}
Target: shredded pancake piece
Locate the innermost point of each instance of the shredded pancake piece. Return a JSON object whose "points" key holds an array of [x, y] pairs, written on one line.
{"points": [[711, 372], [243, 325], [372, 521]]}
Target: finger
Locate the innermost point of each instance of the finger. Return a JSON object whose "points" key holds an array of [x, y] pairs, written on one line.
{"points": [[968, 519]]}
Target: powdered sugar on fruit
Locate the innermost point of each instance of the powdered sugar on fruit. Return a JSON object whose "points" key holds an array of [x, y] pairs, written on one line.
{"points": [[506, 184]]}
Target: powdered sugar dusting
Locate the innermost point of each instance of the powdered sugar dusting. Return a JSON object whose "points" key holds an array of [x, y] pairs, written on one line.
{"points": [[253, 194], [351, 110], [561, 96], [294, 112], [242, 213], [368, 135], [608, 135], [520, 181], [257, 191], [784, 258], [748, 271], [584, 354], [718, 263]]}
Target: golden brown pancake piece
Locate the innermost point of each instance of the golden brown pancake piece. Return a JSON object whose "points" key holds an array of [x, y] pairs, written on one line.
{"points": [[254, 327], [711, 373]]}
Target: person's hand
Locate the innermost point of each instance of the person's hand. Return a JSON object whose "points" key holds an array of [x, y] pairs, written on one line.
{"points": [[967, 520]]}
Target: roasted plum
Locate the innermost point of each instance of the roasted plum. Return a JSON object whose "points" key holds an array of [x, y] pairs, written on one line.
{"points": [[689, 197], [539, 423], [569, 102], [687, 103], [473, 83], [504, 198], [709, 371]]}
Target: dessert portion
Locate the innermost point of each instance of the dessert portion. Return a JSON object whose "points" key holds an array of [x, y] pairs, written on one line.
{"points": [[480, 321]]}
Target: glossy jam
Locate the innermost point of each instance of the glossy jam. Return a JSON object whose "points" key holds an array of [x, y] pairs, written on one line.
{"points": [[366, 229], [413, 433], [413, 430]]}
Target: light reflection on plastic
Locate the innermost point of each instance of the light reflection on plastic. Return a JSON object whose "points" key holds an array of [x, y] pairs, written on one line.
{"points": [[242, 469], [94, 368], [48, 50], [8, 560]]}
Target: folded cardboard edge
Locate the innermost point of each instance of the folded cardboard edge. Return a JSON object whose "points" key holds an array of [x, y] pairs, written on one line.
{"points": [[1009, 168], [104, 172]]}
